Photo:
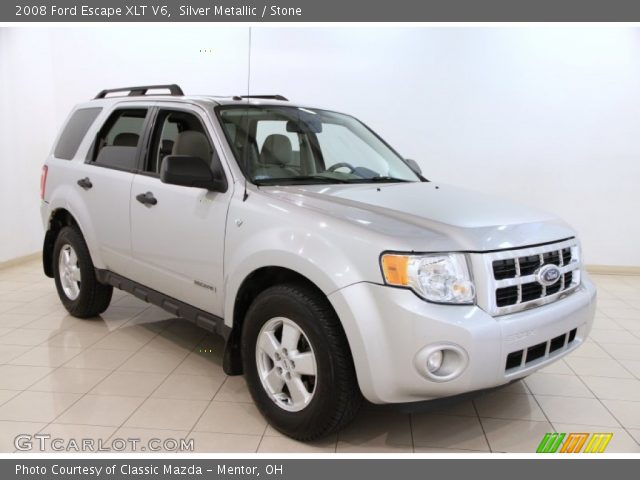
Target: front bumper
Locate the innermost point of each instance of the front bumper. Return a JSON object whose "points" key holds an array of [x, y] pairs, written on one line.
{"points": [[389, 329]]}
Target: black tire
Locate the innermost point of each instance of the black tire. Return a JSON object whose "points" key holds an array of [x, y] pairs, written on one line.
{"points": [[94, 297], [337, 397]]}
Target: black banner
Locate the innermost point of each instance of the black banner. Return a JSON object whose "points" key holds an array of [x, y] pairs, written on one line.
{"points": [[316, 469], [319, 11]]}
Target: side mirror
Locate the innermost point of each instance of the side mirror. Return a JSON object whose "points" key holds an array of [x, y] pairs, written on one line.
{"points": [[414, 166], [188, 171]]}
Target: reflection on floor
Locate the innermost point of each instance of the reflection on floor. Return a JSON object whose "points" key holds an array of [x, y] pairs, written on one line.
{"points": [[139, 373]]}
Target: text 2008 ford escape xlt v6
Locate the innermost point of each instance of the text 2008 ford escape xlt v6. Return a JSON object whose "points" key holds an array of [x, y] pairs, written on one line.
{"points": [[331, 267]]}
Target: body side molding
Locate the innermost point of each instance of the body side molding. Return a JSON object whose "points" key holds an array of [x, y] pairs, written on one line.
{"points": [[203, 319]]}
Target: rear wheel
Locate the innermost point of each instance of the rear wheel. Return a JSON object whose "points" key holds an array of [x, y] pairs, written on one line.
{"points": [[79, 290], [298, 364]]}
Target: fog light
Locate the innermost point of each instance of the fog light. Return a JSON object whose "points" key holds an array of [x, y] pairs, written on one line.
{"points": [[441, 362], [434, 361]]}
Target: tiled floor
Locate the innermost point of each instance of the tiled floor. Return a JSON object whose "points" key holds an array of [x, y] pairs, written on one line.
{"points": [[138, 373]]}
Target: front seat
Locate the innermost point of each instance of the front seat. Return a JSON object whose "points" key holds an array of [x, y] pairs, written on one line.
{"points": [[276, 150], [126, 140], [193, 144]]}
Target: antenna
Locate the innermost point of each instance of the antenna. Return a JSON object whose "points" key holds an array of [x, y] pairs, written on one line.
{"points": [[246, 143]]}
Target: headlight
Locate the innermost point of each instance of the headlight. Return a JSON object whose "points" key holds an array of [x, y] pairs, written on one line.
{"points": [[442, 278]]}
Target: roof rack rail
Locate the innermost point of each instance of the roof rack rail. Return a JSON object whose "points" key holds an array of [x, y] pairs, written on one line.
{"points": [[265, 97], [174, 90]]}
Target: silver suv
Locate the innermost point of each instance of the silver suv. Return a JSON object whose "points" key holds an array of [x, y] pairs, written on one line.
{"points": [[331, 266]]}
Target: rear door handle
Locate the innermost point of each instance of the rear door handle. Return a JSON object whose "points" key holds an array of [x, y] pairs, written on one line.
{"points": [[85, 183], [147, 198]]}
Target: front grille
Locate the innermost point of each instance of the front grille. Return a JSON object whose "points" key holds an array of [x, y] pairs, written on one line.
{"points": [[516, 284], [525, 357]]}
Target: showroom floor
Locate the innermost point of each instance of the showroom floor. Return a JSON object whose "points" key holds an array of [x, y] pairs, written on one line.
{"points": [[138, 373]]}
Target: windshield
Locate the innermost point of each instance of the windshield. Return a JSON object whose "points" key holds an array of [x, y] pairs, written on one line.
{"points": [[277, 145]]}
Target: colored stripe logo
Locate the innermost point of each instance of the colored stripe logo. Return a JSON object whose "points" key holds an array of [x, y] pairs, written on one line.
{"points": [[598, 442], [550, 442], [574, 442]]}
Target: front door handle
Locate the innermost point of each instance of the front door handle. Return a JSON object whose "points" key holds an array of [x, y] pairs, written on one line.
{"points": [[147, 198], [85, 183]]}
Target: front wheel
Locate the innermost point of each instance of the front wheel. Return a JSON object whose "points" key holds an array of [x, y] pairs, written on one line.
{"points": [[298, 364], [79, 290]]}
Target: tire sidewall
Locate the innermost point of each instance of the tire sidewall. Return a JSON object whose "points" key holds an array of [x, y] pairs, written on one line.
{"points": [[277, 304]]}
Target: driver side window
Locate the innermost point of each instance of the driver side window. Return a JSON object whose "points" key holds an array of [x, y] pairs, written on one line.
{"points": [[178, 133]]}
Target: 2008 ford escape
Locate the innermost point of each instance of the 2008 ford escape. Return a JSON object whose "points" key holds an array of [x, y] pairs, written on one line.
{"points": [[333, 269]]}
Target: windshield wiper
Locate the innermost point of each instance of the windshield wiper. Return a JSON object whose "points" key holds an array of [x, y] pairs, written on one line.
{"points": [[385, 179], [324, 179], [301, 178]]}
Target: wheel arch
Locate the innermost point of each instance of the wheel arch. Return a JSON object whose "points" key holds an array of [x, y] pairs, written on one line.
{"points": [[252, 285], [58, 219], [65, 202]]}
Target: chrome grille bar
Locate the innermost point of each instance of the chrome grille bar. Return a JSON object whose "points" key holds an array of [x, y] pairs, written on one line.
{"points": [[544, 287], [509, 282], [520, 292]]}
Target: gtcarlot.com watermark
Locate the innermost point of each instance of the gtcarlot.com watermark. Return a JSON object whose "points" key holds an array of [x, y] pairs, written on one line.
{"points": [[44, 442]]}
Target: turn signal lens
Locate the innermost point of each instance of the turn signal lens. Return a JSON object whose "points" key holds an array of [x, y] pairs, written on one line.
{"points": [[395, 269]]}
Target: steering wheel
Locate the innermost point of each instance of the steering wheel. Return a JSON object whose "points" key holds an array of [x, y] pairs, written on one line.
{"points": [[338, 165]]}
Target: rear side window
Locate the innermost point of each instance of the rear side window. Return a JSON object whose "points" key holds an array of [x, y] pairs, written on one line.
{"points": [[117, 143], [74, 131]]}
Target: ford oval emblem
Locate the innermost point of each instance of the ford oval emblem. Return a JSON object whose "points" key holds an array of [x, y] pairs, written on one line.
{"points": [[548, 275]]}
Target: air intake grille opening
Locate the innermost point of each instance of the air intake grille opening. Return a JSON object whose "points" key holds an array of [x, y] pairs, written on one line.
{"points": [[553, 257], [536, 352], [531, 291], [557, 343], [555, 288], [514, 359], [506, 296], [529, 264], [568, 278], [504, 268]]}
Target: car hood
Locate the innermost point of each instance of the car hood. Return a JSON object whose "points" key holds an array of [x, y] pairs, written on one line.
{"points": [[430, 216]]}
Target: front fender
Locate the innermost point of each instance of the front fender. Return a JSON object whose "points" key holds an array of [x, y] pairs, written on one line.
{"points": [[325, 277], [263, 231]]}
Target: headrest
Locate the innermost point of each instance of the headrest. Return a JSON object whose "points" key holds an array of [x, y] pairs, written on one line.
{"points": [[126, 140], [276, 149], [192, 143], [166, 146]]}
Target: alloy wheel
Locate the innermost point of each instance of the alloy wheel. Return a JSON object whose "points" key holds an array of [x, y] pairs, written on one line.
{"points": [[286, 364], [69, 272]]}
